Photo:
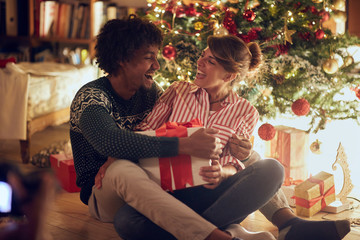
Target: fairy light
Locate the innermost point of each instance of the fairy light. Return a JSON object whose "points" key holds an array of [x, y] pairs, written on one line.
{"points": [[197, 34], [162, 83], [212, 15], [176, 32], [196, 4], [292, 19], [179, 77], [218, 3], [178, 3], [290, 14], [162, 26], [189, 73], [179, 68], [149, 5], [157, 15]]}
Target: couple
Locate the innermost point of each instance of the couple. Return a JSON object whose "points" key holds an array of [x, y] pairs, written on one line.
{"points": [[105, 112]]}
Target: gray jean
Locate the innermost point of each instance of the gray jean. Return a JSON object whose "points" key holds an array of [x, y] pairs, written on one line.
{"points": [[278, 201], [231, 202]]}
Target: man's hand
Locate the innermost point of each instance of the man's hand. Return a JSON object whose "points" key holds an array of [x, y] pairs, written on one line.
{"points": [[240, 147], [101, 173], [201, 143]]}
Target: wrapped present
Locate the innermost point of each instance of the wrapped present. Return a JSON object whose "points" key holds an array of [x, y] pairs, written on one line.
{"points": [[288, 189], [63, 165], [290, 147], [314, 194], [177, 172]]}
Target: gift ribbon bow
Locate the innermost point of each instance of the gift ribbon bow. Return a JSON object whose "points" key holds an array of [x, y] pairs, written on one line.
{"points": [[309, 203], [179, 165]]}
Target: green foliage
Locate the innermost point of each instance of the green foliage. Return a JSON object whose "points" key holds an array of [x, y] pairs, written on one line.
{"points": [[289, 71]]}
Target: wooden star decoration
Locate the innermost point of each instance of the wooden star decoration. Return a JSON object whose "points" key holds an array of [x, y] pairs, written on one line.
{"points": [[287, 34]]}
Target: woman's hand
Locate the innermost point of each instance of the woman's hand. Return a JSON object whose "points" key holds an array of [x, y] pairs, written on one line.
{"points": [[240, 147], [101, 173]]}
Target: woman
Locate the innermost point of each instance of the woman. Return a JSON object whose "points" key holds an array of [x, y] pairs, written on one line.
{"points": [[211, 99]]}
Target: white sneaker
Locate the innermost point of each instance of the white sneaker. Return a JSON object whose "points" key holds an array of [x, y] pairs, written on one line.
{"points": [[236, 230]]}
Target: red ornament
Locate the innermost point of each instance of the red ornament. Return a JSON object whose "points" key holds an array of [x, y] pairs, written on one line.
{"points": [[266, 132], [319, 34], [229, 22], [357, 91], [249, 15], [169, 52], [325, 15], [301, 107]]}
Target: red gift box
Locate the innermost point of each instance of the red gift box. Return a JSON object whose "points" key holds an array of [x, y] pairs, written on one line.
{"points": [[177, 172], [290, 147], [64, 171]]}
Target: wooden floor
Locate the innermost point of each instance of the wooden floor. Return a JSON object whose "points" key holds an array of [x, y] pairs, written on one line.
{"points": [[69, 218]]}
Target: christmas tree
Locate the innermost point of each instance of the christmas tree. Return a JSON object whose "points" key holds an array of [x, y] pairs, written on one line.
{"points": [[306, 68]]}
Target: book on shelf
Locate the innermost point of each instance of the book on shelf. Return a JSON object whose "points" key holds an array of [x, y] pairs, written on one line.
{"points": [[111, 11], [48, 18], [84, 26], [98, 10], [76, 18]]}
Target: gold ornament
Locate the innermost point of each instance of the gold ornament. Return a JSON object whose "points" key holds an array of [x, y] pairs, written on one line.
{"points": [[198, 26], [338, 5], [315, 147], [317, 1], [348, 60], [339, 16], [287, 34], [330, 66], [273, 9]]}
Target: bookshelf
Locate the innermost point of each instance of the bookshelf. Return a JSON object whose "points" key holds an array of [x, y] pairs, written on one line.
{"points": [[36, 35]]}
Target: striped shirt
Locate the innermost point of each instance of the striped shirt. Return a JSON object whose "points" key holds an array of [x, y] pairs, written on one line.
{"points": [[184, 101]]}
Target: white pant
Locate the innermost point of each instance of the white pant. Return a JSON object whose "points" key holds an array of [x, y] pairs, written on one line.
{"points": [[125, 181]]}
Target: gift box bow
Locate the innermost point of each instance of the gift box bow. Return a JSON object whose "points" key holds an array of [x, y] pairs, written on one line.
{"points": [[309, 203], [179, 165]]}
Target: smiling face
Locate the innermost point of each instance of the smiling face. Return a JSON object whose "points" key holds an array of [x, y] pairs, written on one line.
{"points": [[136, 73], [210, 74]]}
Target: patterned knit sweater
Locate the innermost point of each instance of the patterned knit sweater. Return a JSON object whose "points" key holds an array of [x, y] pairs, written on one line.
{"points": [[101, 125]]}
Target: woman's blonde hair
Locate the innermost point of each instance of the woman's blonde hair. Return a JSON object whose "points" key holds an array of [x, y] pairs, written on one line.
{"points": [[234, 54]]}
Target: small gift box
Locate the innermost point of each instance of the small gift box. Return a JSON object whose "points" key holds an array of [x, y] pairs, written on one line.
{"points": [[288, 189], [314, 194], [290, 147], [177, 172], [64, 171]]}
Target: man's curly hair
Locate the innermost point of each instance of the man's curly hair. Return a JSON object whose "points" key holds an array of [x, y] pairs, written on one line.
{"points": [[119, 38]]}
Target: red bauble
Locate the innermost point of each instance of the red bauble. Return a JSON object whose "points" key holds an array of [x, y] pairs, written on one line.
{"points": [[266, 131], [301, 107], [169, 52], [319, 34], [325, 15], [249, 15]]}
